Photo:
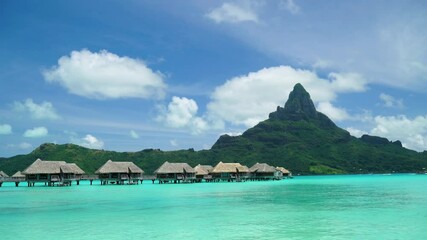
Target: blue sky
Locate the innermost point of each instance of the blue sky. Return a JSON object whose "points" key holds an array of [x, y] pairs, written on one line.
{"points": [[178, 74]]}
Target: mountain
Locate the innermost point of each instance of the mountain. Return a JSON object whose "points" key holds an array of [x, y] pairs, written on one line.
{"points": [[295, 136], [308, 142]]}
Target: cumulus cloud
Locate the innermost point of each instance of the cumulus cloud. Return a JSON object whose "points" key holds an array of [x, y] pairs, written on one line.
{"points": [[249, 99], [290, 6], [411, 132], [105, 75], [390, 101], [355, 132], [133, 134], [182, 113], [36, 132], [233, 134], [5, 129], [335, 113], [44, 110], [232, 13], [92, 142]]}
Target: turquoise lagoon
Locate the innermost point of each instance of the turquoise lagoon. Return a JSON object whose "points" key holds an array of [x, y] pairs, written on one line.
{"points": [[312, 207]]}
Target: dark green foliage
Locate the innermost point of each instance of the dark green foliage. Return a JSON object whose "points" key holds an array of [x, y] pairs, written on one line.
{"points": [[296, 137]]}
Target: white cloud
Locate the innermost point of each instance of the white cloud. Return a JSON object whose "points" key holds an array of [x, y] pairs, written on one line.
{"points": [[36, 132], [355, 132], [182, 113], [92, 142], [390, 49], [173, 142], [106, 75], [233, 13], [347, 82], [249, 99], [390, 101], [44, 110], [411, 132], [5, 129], [335, 113], [133, 134], [233, 134], [290, 6]]}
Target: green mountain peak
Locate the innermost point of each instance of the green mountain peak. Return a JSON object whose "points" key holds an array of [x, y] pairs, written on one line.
{"points": [[300, 103], [300, 107]]}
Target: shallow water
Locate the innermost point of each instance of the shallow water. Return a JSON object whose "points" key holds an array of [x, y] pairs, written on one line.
{"points": [[321, 207]]}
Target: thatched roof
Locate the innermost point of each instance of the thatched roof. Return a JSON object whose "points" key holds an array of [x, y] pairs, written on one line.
{"points": [[72, 168], [283, 170], [208, 168], [200, 170], [18, 174], [3, 174], [262, 168], [230, 168], [52, 167], [168, 167], [119, 167]]}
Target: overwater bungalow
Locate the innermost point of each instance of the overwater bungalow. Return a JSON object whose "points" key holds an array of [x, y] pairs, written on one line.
{"points": [[3, 174], [175, 172], [230, 172], [282, 172], [203, 172], [263, 171], [18, 176], [52, 172], [119, 173]]}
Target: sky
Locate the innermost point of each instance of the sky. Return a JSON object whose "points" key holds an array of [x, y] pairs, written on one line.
{"points": [[132, 75]]}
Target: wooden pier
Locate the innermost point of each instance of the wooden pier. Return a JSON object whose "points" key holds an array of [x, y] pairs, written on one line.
{"points": [[68, 182], [60, 173]]}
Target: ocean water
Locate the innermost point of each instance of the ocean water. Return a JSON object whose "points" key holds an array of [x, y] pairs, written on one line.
{"points": [[317, 207]]}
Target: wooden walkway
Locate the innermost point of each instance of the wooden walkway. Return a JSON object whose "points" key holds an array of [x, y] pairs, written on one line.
{"points": [[89, 178]]}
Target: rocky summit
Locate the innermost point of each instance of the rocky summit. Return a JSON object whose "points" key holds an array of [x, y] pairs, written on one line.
{"points": [[300, 107]]}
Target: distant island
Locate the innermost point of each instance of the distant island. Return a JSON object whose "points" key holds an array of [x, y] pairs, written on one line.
{"points": [[295, 136]]}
